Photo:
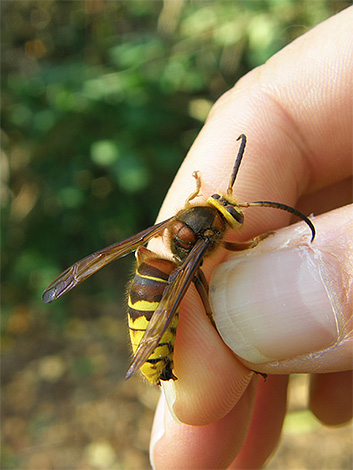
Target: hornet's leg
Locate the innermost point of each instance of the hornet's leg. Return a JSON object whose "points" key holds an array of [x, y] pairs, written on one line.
{"points": [[201, 285], [239, 246], [196, 175]]}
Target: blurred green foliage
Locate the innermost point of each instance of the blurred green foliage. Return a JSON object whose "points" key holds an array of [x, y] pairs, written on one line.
{"points": [[100, 102]]}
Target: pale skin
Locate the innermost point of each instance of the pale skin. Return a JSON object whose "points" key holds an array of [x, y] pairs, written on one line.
{"points": [[296, 111]]}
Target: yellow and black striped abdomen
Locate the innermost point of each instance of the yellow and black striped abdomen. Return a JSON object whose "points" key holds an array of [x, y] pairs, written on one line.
{"points": [[146, 290]]}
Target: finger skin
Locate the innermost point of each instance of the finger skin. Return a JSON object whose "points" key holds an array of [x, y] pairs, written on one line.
{"points": [[282, 161], [213, 446], [331, 397], [266, 423], [276, 106], [326, 344], [210, 379], [216, 445], [296, 113], [328, 198]]}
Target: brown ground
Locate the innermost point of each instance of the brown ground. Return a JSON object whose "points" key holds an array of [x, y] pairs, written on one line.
{"points": [[65, 404]]}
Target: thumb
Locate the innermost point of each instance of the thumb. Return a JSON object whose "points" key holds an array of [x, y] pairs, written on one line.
{"points": [[286, 305]]}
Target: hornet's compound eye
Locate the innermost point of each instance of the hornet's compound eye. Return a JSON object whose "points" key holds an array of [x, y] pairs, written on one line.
{"points": [[236, 213]]}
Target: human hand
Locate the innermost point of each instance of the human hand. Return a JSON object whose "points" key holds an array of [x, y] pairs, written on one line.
{"points": [[296, 111]]}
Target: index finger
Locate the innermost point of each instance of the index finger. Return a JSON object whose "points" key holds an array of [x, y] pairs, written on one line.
{"points": [[296, 111]]}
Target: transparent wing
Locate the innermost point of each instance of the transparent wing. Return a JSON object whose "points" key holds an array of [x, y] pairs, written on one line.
{"points": [[179, 282], [87, 266]]}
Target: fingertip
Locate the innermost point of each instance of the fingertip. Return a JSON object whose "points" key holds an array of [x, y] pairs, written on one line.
{"points": [[176, 445], [210, 378], [292, 313], [169, 392], [158, 430], [331, 397]]}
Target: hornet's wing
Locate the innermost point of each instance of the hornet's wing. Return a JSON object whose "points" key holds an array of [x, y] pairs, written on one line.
{"points": [[87, 266], [178, 284]]}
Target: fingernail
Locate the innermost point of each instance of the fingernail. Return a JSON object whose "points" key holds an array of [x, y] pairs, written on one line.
{"points": [[157, 429], [274, 305], [168, 389]]}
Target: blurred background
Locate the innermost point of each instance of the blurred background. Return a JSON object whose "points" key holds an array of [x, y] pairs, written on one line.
{"points": [[101, 101]]}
